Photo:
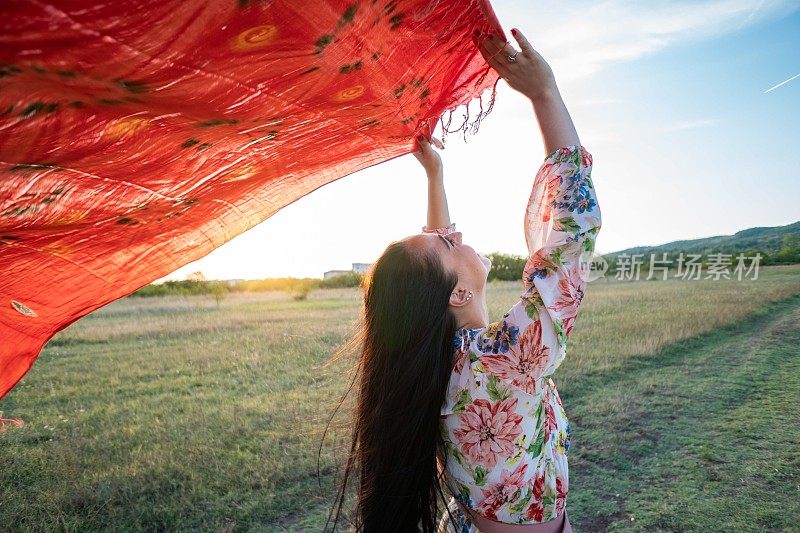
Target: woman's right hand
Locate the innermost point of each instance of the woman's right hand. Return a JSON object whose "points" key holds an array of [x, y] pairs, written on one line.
{"points": [[529, 74]]}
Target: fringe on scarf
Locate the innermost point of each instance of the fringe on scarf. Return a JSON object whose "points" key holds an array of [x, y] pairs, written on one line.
{"points": [[468, 127]]}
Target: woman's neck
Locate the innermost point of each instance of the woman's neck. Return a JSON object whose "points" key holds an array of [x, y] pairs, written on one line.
{"points": [[475, 315]]}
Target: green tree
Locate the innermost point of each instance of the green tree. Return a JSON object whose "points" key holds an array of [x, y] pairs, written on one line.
{"points": [[218, 291], [506, 267], [790, 249]]}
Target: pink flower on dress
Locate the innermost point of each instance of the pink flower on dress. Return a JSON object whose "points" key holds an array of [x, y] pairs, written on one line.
{"points": [[461, 356], [555, 393], [561, 495], [539, 265], [549, 421], [524, 362], [488, 429], [586, 159], [572, 289], [535, 511], [500, 493], [552, 189]]}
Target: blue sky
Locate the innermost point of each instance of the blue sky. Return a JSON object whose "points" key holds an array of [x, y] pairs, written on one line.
{"points": [[672, 99]]}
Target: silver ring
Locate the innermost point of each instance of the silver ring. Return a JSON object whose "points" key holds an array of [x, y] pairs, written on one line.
{"points": [[513, 57]]}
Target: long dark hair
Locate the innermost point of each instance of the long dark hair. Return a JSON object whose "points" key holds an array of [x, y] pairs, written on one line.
{"points": [[406, 344]]}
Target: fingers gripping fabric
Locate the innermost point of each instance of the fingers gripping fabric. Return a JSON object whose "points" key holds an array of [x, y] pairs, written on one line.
{"points": [[138, 136]]}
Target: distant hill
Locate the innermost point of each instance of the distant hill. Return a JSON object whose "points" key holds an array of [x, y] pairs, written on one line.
{"points": [[779, 244]]}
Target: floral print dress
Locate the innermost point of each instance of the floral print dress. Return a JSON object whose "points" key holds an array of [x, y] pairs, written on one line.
{"points": [[505, 430]]}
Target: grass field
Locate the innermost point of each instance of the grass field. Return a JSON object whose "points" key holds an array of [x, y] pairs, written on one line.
{"points": [[181, 414]]}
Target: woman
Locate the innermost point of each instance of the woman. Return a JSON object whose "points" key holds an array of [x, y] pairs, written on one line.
{"points": [[450, 406]]}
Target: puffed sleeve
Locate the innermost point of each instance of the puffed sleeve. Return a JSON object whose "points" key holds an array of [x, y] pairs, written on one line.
{"points": [[562, 220]]}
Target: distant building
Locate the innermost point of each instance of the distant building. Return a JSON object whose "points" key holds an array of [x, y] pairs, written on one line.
{"points": [[359, 268]]}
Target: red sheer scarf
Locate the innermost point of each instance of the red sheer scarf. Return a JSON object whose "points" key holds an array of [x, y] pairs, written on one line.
{"points": [[136, 137]]}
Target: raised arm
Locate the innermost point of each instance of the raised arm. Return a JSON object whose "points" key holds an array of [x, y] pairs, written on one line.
{"points": [[438, 214], [554, 121], [562, 220]]}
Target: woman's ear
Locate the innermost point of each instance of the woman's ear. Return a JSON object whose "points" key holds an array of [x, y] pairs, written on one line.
{"points": [[460, 298]]}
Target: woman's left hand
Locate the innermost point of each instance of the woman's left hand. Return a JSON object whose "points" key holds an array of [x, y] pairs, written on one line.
{"points": [[428, 157]]}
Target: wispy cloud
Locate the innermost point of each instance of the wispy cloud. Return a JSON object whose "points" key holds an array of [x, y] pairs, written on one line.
{"points": [[750, 16], [580, 39], [781, 83]]}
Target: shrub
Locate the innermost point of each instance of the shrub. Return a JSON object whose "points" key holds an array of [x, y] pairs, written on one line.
{"points": [[349, 279], [300, 289], [185, 288]]}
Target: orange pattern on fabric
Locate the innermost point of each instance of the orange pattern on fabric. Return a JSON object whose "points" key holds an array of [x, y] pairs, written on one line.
{"points": [[255, 37]]}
